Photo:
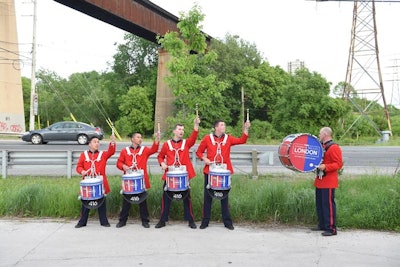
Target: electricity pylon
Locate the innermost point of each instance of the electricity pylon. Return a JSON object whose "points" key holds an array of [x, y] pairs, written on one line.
{"points": [[363, 76]]}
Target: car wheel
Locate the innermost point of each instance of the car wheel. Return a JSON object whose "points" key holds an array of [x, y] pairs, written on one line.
{"points": [[82, 139], [36, 139]]}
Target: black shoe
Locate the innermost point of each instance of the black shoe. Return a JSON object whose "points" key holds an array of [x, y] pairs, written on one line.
{"points": [[230, 227], [106, 225], [317, 229], [203, 226], [145, 225], [160, 224], [120, 224], [79, 225], [192, 225], [329, 233]]}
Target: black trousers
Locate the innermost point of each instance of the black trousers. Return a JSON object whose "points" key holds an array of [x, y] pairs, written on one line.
{"points": [[126, 206], [102, 211], [166, 205], [207, 204], [326, 208]]}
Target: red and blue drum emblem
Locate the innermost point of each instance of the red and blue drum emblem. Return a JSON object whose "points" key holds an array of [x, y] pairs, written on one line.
{"points": [[91, 189], [301, 152]]}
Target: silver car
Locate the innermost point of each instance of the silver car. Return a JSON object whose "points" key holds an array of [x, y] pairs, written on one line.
{"points": [[64, 131]]}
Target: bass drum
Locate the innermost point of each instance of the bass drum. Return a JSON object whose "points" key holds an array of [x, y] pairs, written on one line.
{"points": [[301, 152]]}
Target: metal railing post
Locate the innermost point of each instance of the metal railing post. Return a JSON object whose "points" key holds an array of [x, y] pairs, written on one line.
{"points": [[4, 160], [254, 171], [69, 164]]}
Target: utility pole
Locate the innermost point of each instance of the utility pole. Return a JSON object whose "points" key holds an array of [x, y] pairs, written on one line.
{"points": [[34, 97]]}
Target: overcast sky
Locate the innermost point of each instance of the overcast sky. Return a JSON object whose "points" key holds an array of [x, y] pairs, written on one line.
{"points": [[316, 33]]}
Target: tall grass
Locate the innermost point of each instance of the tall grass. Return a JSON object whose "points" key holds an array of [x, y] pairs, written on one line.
{"points": [[364, 202]]}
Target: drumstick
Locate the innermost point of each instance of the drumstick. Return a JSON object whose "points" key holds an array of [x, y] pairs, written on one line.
{"points": [[197, 110], [247, 115]]}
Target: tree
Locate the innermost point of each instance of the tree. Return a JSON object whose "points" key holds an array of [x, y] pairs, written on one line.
{"points": [[136, 61], [262, 88], [136, 112], [305, 105], [234, 56], [191, 81]]}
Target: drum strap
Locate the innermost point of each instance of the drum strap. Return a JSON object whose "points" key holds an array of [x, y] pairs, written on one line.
{"points": [[134, 161], [328, 144], [219, 153], [223, 141], [130, 153], [181, 148], [176, 162], [88, 159], [93, 166]]}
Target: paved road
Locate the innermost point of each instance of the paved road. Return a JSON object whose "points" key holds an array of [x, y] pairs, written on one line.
{"points": [[58, 243]]}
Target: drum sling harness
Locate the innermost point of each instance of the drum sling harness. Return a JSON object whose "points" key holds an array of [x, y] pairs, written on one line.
{"points": [[93, 166], [134, 162], [176, 162], [219, 153]]}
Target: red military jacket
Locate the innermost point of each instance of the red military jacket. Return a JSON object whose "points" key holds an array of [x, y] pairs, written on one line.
{"points": [[99, 163], [333, 163], [209, 144], [141, 159], [182, 147]]}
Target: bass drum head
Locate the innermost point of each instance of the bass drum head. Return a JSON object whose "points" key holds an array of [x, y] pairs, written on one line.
{"points": [[177, 195], [135, 198], [94, 203], [301, 152], [218, 194]]}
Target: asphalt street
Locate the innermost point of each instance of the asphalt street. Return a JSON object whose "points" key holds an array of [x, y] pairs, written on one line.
{"points": [[57, 243]]}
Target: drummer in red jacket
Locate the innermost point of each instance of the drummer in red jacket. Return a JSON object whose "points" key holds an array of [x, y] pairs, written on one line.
{"points": [[326, 183], [176, 150], [135, 156], [218, 148], [92, 163]]}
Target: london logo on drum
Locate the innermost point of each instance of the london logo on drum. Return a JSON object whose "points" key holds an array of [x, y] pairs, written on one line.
{"points": [[306, 151]]}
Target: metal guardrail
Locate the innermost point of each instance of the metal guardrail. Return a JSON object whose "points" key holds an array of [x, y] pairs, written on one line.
{"points": [[68, 159]]}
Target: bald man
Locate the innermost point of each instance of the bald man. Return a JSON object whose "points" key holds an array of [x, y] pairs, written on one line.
{"points": [[326, 182]]}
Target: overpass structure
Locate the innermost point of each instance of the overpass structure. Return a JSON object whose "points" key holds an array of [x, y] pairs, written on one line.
{"points": [[12, 119], [139, 17], [144, 19]]}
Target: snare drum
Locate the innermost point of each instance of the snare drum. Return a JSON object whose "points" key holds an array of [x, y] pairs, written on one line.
{"points": [[177, 180], [133, 183], [301, 152], [91, 188], [219, 179]]}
